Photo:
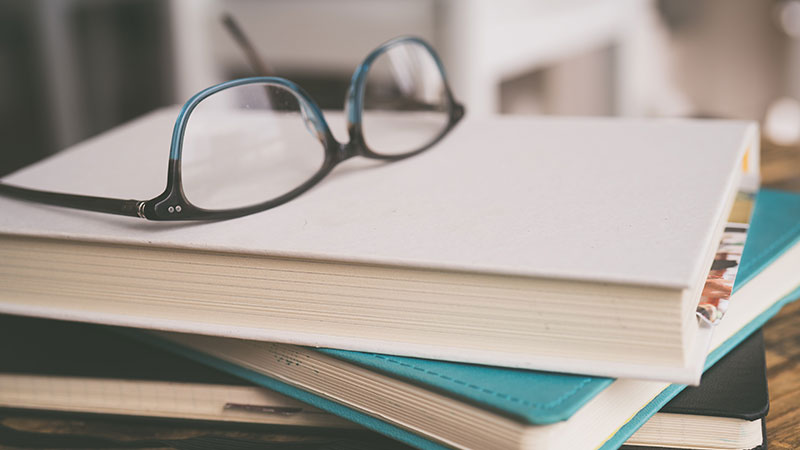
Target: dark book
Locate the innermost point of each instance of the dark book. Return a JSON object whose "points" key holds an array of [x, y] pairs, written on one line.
{"points": [[726, 411], [74, 367]]}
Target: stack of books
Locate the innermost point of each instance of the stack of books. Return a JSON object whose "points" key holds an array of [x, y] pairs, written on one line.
{"points": [[527, 283]]}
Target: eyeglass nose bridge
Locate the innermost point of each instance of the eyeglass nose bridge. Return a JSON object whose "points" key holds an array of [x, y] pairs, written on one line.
{"points": [[458, 112], [347, 151]]}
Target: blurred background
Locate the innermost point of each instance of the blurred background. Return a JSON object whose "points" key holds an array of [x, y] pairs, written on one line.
{"points": [[70, 69]]}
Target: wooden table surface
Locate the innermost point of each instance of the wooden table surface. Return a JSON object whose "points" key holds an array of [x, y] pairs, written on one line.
{"points": [[780, 169], [782, 342]]}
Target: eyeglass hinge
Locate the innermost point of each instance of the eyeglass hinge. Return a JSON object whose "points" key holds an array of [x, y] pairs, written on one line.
{"points": [[140, 210]]}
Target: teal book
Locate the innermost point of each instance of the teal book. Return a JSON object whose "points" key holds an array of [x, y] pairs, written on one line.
{"points": [[434, 404]]}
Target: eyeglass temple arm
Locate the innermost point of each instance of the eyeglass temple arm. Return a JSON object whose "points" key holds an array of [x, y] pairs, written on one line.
{"points": [[121, 207], [255, 60]]}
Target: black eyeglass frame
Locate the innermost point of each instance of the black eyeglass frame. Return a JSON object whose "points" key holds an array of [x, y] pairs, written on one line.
{"points": [[172, 204]]}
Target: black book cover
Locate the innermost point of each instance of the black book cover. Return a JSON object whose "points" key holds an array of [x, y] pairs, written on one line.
{"points": [[60, 348], [53, 347], [736, 387]]}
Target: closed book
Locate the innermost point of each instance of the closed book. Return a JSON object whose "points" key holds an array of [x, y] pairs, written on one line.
{"points": [[726, 411], [566, 244], [437, 404], [80, 368]]}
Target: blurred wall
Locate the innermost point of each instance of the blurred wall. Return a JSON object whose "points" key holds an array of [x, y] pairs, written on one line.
{"points": [[729, 57], [72, 68]]}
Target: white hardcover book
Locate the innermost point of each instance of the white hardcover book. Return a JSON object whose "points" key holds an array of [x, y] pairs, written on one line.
{"points": [[561, 244]]}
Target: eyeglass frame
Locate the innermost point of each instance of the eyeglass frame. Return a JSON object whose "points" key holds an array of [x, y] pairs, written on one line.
{"points": [[172, 204]]}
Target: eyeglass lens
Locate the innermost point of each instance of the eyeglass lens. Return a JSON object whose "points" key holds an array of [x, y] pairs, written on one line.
{"points": [[405, 101], [252, 143], [246, 145]]}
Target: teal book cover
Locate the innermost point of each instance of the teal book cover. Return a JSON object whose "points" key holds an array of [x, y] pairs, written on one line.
{"points": [[540, 398]]}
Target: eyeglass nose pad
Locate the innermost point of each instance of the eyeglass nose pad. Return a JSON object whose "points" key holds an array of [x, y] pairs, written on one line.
{"points": [[348, 106], [310, 126]]}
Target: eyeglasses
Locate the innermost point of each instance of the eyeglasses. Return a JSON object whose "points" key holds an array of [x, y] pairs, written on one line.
{"points": [[252, 144]]}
